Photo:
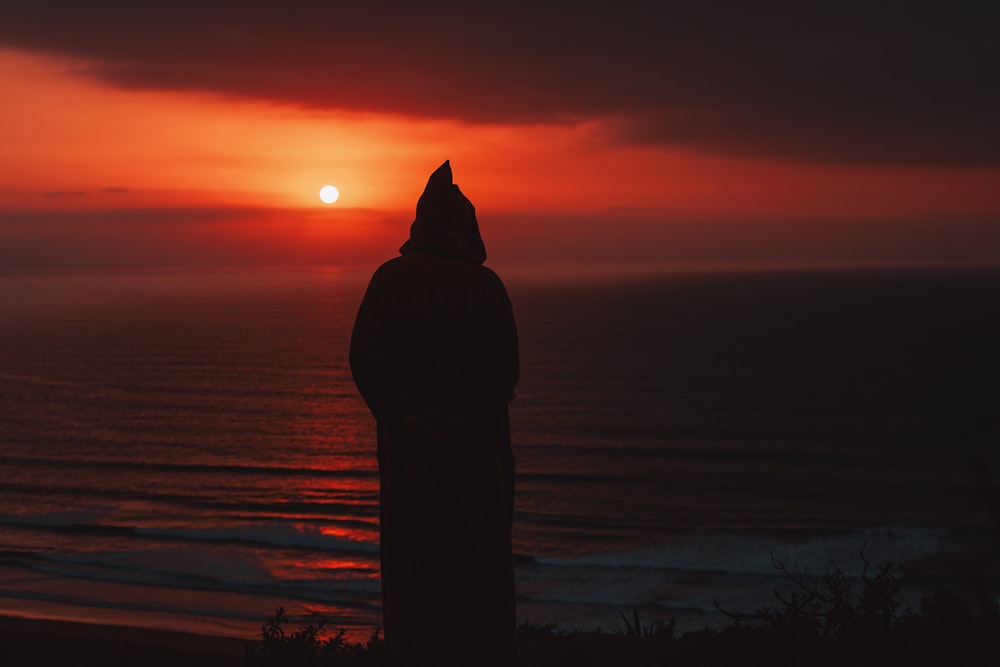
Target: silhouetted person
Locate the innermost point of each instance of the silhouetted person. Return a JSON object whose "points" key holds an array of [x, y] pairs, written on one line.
{"points": [[434, 354]]}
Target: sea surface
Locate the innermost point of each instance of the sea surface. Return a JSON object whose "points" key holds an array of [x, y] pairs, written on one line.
{"points": [[186, 449]]}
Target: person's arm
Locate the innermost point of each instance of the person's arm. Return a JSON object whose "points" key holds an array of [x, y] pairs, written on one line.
{"points": [[500, 364], [373, 356]]}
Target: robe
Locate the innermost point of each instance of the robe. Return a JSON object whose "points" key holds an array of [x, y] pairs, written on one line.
{"points": [[434, 354]]}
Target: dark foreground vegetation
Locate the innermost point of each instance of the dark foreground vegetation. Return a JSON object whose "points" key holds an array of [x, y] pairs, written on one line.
{"points": [[824, 620]]}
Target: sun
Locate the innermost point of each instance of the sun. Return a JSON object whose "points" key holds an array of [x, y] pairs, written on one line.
{"points": [[329, 194]]}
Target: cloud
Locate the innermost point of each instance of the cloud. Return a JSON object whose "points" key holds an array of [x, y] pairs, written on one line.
{"points": [[76, 194], [849, 82], [65, 194], [194, 236], [138, 216]]}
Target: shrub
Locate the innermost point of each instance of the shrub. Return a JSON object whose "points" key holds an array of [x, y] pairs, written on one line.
{"points": [[310, 646]]}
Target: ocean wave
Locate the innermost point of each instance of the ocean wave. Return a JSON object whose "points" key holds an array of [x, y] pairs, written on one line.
{"points": [[187, 468], [700, 572], [221, 571], [747, 552], [41, 380], [277, 534], [336, 613], [93, 602], [359, 507], [274, 534]]}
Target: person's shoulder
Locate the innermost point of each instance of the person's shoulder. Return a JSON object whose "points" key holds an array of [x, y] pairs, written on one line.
{"points": [[393, 263], [475, 271], [388, 267], [491, 278], [490, 274]]}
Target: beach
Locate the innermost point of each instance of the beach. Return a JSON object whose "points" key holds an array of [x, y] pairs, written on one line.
{"points": [[53, 643]]}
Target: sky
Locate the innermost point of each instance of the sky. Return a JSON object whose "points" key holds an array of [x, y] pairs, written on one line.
{"points": [[587, 133]]}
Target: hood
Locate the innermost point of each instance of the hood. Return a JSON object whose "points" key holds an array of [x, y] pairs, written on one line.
{"points": [[446, 221]]}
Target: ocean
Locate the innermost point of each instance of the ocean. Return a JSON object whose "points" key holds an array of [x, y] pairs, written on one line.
{"points": [[186, 449]]}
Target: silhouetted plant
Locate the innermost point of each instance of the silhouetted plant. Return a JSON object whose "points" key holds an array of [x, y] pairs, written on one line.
{"points": [[529, 631], [655, 628], [309, 645], [829, 602], [831, 620]]}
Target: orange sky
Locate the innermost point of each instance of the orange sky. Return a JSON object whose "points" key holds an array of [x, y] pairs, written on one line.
{"points": [[98, 174]]}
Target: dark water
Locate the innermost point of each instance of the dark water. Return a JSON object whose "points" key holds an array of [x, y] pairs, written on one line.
{"points": [[187, 450]]}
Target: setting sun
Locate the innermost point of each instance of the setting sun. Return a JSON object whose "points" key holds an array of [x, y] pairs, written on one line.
{"points": [[329, 194]]}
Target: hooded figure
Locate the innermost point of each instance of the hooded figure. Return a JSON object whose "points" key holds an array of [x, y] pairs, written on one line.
{"points": [[434, 354]]}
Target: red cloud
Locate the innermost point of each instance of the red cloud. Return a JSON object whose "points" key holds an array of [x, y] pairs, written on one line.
{"points": [[852, 82]]}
